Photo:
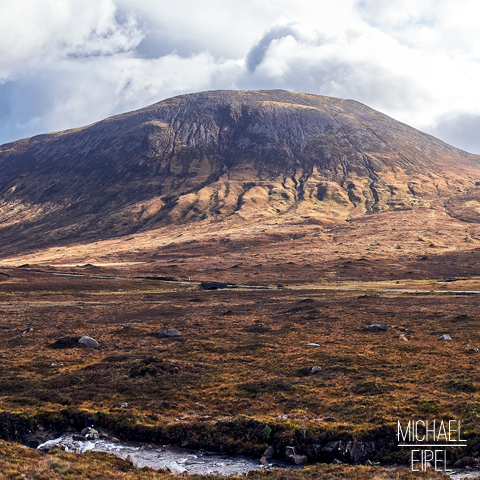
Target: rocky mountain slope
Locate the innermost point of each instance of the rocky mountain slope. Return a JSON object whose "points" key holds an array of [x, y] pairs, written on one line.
{"points": [[226, 155]]}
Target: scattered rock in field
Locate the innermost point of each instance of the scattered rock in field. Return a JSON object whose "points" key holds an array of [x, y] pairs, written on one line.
{"points": [[3, 355], [88, 341], [312, 345], [377, 327], [79, 438], [124, 405], [90, 433], [175, 468], [52, 365], [446, 337], [476, 350], [315, 370], [169, 332], [269, 452], [28, 330], [403, 337]]}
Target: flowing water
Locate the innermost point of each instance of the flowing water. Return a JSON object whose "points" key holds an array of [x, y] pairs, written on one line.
{"points": [[178, 460]]}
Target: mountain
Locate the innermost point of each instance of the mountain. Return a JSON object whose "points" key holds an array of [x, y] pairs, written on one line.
{"points": [[235, 156]]}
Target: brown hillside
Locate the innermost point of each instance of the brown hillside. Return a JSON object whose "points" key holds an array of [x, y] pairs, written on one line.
{"points": [[235, 156]]}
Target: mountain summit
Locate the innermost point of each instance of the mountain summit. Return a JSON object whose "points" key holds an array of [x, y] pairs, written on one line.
{"points": [[223, 154]]}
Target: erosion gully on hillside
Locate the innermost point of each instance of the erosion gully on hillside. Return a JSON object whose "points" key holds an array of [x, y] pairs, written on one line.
{"points": [[238, 378]]}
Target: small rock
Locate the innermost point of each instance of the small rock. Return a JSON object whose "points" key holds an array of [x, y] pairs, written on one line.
{"points": [[264, 461], [52, 364], [124, 405], [315, 370], [369, 463], [446, 338], [175, 468], [300, 459], [169, 332], [476, 350], [269, 452], [79, 438], [377, 327], [337, 462], [88, 341], [403, 337], [312, 345]]}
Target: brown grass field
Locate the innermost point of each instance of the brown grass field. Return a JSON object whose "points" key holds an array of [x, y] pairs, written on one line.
{"points": [[237, 379]]}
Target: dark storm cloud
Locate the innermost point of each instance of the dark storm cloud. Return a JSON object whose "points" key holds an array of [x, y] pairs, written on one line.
{"points": [[257, 53]]}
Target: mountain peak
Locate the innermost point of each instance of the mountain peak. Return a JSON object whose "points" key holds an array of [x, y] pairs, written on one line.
{"points": [[220, 155]]}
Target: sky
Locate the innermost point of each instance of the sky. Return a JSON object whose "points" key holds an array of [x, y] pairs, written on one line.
{"points": [[66, 63]]}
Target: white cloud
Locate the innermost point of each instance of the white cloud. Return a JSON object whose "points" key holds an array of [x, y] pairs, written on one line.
{"points": [[65, 64]]}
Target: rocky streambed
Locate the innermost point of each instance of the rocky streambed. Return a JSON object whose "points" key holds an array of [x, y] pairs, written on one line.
{"points": [[176, 460]]}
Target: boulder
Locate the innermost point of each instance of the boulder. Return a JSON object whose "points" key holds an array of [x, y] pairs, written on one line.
{"points": [[315, 370], [300, 459], [264, 461], [175, 468], [169, 332], [291, 454], [447, 338], [51, 446], [79, 438], [90, 433], [269, 452], [357, 451], [124, 405], [377, 327], [88, 342]]}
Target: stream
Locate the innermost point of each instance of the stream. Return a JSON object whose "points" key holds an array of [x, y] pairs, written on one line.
{"points": [[177, 460], [182, 460]]}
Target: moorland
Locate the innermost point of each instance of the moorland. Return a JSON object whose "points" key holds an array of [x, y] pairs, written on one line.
{"points": [[317, 217]]}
